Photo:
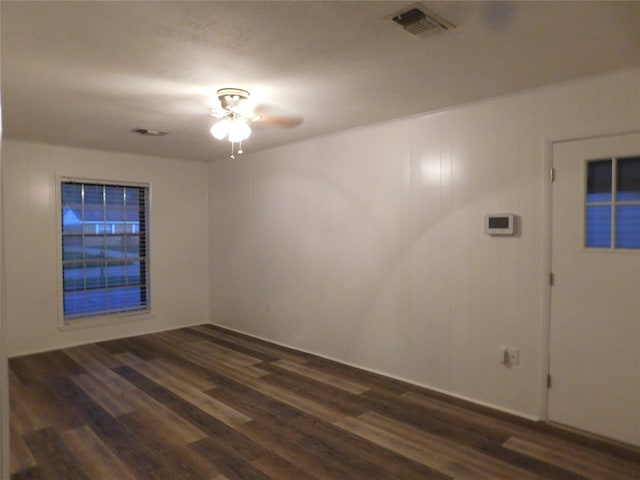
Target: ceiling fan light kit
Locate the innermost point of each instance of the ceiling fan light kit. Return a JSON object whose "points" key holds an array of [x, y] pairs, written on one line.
{"points": [[235, 130], [234, 114], [237, 111]]}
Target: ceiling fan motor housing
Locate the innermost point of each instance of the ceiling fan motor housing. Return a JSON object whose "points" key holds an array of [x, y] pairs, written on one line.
{"points": [[230, 98]]}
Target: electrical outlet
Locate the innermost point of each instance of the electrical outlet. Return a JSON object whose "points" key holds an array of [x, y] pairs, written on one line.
{"points": [[509, 356]]}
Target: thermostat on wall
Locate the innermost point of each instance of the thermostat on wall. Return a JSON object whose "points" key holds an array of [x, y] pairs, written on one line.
{"points": [[498, 224]]}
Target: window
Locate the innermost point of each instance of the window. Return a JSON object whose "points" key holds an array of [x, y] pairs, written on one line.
{"points": [[613, 203], [105, 268]]}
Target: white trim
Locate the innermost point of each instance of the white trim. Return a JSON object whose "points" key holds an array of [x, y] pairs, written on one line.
{"points": [[101, 181], [5, 453], [593, 136], [388, 375], [59, 273], [545, 301], [108, 339], [110, 319]]}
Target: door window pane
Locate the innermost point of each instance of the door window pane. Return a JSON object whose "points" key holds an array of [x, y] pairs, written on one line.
{"points": [[628, 179], [599, 183], [628, 226], [599, 226]]}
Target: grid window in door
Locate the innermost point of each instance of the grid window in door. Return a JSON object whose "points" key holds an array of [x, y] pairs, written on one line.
{"points": [[613, 203], [105, 268]]}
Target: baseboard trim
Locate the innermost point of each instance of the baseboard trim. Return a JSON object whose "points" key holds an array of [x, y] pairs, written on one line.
{"points": [[447, 393], [116, 337]]}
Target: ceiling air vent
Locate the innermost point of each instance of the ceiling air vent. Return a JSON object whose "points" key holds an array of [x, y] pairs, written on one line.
{"points": [[149, 132], [420, 21]]}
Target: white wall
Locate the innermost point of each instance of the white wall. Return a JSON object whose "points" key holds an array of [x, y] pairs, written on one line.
{"points": [[367, 246], [178, 241]]}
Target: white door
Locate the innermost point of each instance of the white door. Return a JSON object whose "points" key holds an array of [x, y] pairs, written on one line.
{"points": [[595, 299]]}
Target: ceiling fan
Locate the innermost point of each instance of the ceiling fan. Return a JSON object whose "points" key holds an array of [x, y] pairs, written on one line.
{"points": [[235, 114]]}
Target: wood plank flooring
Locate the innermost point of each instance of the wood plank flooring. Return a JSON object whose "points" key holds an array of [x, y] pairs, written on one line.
{"points": [[211, 404]]}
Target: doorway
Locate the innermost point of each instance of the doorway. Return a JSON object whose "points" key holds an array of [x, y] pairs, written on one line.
{"points": [[595, 298]]}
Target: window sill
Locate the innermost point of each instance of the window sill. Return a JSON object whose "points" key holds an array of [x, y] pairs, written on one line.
{"points": [[105, 320]]}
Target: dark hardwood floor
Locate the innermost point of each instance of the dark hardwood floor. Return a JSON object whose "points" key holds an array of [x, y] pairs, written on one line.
{"points": [[207, 403]]}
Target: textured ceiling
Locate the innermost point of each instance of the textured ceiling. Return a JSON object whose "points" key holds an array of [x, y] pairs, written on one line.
{"points": [[85, 73]]}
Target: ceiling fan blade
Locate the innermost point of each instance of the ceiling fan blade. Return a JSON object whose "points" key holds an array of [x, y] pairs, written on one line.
{"points": [[286, 122], [270, 115], [218, 113], [237, 107]]}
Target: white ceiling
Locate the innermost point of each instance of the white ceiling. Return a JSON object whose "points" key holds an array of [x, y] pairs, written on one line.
{"points": [[85, 73]]}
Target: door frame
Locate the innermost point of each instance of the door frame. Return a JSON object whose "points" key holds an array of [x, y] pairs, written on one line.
{"points": [[547, 250]]}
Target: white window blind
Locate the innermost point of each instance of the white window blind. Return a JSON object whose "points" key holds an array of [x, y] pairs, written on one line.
{"points": [[105, 244]]}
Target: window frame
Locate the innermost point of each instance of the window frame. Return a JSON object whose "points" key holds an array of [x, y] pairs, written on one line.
{"points": [[103, 318], [613, 203]]}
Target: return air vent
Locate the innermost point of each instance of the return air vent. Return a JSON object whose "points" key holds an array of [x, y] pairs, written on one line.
{"points": [[420, 21]]}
